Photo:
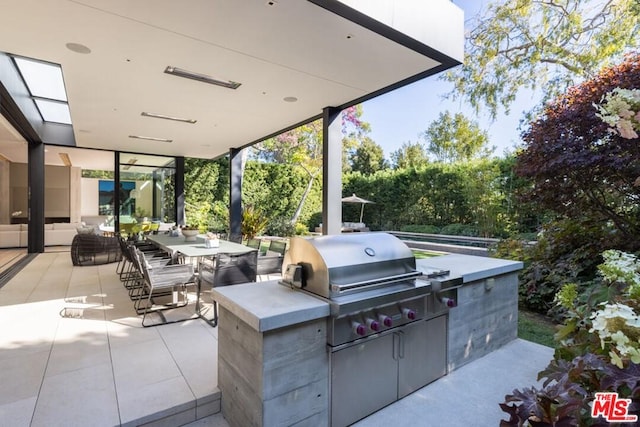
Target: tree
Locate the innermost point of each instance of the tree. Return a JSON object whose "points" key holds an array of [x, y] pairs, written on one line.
{"points": [[541, 45], [302, 147], [367, 158], [409, 156], [455, 138], [580, 169]]}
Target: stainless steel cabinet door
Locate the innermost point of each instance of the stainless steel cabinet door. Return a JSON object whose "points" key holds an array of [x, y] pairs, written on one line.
{"points": [[423, 354], [364, 379]]}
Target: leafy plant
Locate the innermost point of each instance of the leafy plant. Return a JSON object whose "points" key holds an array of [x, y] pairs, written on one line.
{"points": [[567, 251], [253, 222], [301, 229], [567, 391], [598, 351], [417, 228], [199, 216], [281, 226], [459, 230]]}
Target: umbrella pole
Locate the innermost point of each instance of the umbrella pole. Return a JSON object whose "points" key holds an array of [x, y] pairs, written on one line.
{"points": [[361, 211]]}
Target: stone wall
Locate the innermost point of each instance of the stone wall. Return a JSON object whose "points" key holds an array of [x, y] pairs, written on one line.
{"points": [[485, 319], [278, 377]]}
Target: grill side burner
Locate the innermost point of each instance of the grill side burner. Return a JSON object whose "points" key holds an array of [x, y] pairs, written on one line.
{"points": [[386, 335]]}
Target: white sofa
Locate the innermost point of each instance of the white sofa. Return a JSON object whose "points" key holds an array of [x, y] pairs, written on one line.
{"points": [[60, 233], [10, 235], [105, 223], [56, 234]]}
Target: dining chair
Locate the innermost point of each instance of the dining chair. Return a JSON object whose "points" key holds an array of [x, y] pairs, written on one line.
{"points": [[224, 270], [253, 243], [153, 228], [277, 247], [162, 281], [134, 282], [126, 268], [268, 265], [271, 263]]}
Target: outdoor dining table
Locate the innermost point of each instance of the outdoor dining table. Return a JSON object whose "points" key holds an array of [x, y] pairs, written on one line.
{"points": [[176, 245], [195, 249]]}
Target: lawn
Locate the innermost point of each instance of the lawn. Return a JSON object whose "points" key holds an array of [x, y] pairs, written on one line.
{"points": [[536, 328], [419, 254]]}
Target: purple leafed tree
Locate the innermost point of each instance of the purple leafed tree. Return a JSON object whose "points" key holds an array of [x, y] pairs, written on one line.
{"points": [[579, 168]]}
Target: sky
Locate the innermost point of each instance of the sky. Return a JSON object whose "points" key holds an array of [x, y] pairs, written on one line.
{"points": [[403, 114]]}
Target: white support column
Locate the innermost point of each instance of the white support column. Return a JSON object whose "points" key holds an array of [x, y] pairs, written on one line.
{"points": [[331, 171]]}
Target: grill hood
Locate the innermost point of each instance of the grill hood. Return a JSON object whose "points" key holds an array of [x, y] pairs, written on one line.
{"points": [[342, 264]]}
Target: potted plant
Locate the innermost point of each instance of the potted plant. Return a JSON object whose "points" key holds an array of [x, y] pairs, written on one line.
{"points": [[189, 232]]}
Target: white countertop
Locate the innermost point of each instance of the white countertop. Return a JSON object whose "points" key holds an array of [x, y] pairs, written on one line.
{"points": [[267, 305], [469, 267]]}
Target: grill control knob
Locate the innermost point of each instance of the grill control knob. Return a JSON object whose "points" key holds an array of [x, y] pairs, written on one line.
{"points": [[449, 302], [386, 320], [409, 314], [374, 325], [358, 328]]}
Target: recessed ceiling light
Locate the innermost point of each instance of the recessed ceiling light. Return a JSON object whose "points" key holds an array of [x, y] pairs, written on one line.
{"points": [[78, 48], [289, 99], [151, 138], [162, 116], [201, 77], [271, 3]]}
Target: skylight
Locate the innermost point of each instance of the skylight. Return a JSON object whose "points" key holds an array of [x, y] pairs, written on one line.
{"points": [[46, 85], [54, 111]]}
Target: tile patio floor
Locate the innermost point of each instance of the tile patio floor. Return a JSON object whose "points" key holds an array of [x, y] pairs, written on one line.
{"points": [[73, 353]]}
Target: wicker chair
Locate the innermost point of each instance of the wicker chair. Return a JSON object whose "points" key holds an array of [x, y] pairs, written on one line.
{"points": [[91, 249]]}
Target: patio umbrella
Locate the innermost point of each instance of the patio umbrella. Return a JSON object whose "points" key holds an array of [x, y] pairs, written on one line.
{"points": [[355, 199]]}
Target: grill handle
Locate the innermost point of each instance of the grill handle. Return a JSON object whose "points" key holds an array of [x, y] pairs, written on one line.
{"points": [[377, 281], [401, 345], [396, 344]]}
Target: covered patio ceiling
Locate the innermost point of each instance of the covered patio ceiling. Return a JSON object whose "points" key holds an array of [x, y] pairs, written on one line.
{"points": [[291, 57]]}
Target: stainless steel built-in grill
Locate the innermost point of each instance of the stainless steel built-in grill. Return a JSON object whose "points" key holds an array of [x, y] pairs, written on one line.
{"points": [[387, 330]]}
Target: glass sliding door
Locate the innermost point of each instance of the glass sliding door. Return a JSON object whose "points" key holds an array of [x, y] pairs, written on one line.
{"points": [[145, 192]]}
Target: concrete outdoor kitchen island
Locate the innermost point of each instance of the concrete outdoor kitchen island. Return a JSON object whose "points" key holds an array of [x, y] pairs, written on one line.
{"points": [[274, 362]]}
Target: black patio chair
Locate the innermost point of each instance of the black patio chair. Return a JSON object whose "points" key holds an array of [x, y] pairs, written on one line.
{"points": [[277, 247], [271, 263], [224, 270], [254, 243]]}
